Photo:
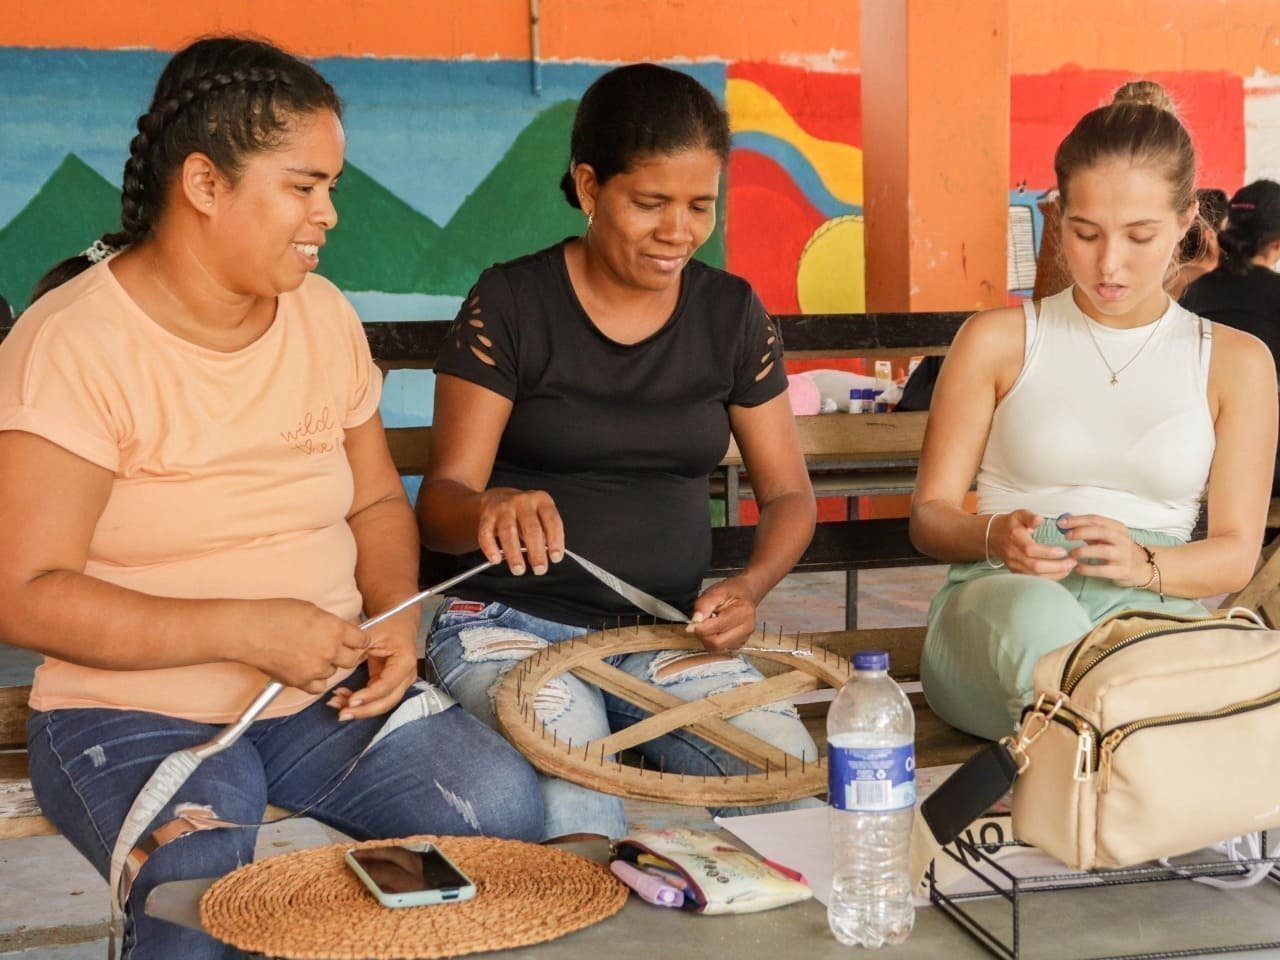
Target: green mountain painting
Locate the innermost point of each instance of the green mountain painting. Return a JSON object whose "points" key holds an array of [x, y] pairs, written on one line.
{"points": [[382, 244], [73, 208]]}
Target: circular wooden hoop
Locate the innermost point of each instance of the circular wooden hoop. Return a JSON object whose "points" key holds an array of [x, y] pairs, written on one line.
{"points": [[778, 776]]}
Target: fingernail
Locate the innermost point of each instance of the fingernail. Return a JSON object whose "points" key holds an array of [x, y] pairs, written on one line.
{"points": [[557, 556], [518, 570], [698, 618], [1059, 552], [355, 703], [540, 569], [344, 716]]}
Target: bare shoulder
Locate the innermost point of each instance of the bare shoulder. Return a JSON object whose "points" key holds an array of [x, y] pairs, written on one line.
{"points": [[994, 335], [1239, 355]]}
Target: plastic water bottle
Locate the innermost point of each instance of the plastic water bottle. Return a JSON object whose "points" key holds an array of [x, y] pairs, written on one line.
{"points": [[871, 756]]}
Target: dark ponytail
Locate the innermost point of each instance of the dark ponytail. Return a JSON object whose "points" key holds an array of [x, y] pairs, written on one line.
{"points": [[225, 97], [1253, 222]]}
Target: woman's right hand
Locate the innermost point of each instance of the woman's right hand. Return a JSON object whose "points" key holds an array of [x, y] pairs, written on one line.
{"points": [[1012, 539], [297, 643], [512, 521]]}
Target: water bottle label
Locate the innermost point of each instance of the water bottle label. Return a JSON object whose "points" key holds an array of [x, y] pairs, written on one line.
{"points": [[872, 778]]}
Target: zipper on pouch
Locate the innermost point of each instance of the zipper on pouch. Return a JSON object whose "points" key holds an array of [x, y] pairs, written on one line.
{"points": [[1072, 675], [1086, 743], [1111, 742]]}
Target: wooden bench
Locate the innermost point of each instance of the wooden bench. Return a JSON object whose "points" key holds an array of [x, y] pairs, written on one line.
{"points": [[850, 442]]}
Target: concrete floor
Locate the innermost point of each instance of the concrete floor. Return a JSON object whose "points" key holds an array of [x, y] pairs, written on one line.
{"points": [[53, 906]]}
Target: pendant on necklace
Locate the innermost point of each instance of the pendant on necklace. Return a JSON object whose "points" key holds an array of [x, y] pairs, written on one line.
{"points": [[1114, 381]]}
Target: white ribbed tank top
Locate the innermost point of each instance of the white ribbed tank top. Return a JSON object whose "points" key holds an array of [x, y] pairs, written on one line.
{"points": [[1065, 440]]}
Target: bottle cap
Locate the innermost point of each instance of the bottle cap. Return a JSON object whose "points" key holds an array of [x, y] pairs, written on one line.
{"points": [[871, 660]]}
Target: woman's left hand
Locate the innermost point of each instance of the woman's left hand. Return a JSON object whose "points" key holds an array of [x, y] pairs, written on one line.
{"points": [[725, 616], [393, 667], [1108, 550]]}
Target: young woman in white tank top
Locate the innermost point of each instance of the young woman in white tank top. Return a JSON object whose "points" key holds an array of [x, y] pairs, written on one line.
{"points": [[1094, 426]]}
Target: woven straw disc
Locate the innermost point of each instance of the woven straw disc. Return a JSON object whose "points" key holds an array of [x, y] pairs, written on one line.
{"points": [[310, 906]]}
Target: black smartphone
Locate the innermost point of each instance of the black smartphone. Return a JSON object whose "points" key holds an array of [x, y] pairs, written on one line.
{"points": [[409, 874]]}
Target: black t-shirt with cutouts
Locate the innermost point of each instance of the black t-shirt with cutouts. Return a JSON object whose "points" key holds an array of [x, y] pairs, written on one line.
{"points": [[623, 437]]}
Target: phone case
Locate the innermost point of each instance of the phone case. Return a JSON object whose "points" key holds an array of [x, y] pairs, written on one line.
{"points": [[415, 898]]}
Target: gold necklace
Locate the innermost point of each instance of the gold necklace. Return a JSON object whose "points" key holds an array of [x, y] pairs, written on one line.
{"points": [[1116, 371]]}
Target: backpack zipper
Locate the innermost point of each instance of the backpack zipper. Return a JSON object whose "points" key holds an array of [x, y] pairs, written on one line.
{"points": [[1113, 739], [1073, 675]]}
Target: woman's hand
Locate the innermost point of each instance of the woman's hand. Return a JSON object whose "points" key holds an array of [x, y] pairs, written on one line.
{"points": [[393, 667], [1011, 538], [724, 616], [1108, 550], [521, 526], [297, 643]]}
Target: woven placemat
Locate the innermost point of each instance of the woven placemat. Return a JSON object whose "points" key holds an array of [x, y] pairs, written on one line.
{"points": [[308, 905]]}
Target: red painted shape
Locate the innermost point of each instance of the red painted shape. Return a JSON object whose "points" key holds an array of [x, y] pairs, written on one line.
{"points": [[852, 364], [1044, 108], [829, 508], [825, 105], [768, 225]]}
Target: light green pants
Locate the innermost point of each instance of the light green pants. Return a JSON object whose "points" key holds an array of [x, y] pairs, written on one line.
{"points": [[987, 629]]}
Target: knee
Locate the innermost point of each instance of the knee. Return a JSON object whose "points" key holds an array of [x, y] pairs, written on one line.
{"points": [[1023, 616]]}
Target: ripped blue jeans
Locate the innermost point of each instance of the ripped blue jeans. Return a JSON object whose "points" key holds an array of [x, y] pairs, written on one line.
{"points": [[473, 645], [444, 773]]}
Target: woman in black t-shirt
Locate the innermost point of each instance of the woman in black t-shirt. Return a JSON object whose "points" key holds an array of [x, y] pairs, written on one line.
{"points": [[1244, 291], [583, 397]]}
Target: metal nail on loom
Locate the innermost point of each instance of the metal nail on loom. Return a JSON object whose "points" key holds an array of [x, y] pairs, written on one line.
{"points": [[127, 857]]}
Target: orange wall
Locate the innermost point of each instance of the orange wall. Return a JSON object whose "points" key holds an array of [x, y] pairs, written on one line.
{"points": [[1140, 36], [1238, 36], [821, 32]]}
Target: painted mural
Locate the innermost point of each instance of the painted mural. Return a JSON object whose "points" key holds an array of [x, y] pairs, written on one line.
{"points": [[451, 166], [795, 187]]}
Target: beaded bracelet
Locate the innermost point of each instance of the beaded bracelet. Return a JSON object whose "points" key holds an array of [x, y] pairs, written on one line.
{"points": [[1155, 572], [986, 543]]}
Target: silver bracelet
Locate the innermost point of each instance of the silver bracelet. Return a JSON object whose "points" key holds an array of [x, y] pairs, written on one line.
{"points": [[986, 542]]}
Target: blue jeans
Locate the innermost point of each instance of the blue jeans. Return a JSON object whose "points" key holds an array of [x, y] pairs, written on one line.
{"points": [[473, 645], [444, 774]]}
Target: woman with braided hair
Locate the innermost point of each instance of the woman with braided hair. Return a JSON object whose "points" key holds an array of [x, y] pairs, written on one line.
{"points": [[197, 498]]}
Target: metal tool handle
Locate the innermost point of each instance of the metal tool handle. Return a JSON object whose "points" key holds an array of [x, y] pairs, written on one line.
{"points": [[233, 731]]}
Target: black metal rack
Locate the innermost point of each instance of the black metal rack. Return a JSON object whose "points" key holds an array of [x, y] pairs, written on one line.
{"points": [[997, 880]]}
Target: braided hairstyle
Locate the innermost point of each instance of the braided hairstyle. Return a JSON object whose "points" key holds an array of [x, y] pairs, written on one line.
{"points": [[637, 111], [226, 97]]}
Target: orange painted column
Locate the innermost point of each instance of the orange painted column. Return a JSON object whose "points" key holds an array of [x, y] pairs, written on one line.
{"points": [[935, 153]]}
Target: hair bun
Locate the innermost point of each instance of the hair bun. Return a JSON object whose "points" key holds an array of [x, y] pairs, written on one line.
{"points": [[1145, 93]]}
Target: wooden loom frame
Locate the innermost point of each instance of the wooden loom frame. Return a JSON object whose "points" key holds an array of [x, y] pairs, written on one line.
{"points": [[779, 776]]}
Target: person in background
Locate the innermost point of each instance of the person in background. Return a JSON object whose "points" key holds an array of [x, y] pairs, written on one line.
{"points": [[1244, 291], [1094, 421], [1198, 252], [583, 398], [196, 498]]}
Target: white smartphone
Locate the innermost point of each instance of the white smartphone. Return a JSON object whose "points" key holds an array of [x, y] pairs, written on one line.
{"points": [[409, 875]]}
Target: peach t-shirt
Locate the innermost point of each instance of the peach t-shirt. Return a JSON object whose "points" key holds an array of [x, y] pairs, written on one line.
{"points": [[231, 479]]}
